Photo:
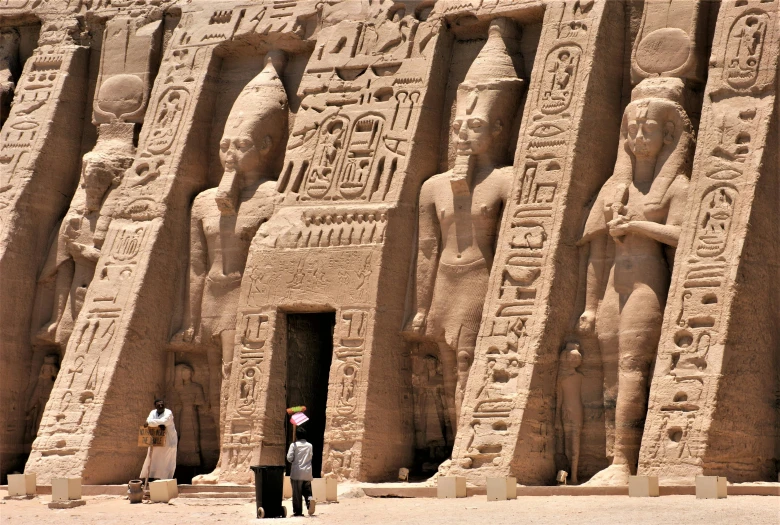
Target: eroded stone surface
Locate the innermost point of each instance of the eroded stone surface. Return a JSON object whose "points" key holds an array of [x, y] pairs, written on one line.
{"points": [[519, 236]]}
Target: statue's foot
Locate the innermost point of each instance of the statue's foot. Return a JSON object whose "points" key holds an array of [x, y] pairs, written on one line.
{"points": [[612, 476], [207, 479], [48, 333]]}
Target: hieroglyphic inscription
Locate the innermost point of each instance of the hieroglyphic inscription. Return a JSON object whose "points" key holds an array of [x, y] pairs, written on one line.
{"points": [[360, 107], [488, 428], [734, 131], [342, 432], [86, 367], [25, 130]]}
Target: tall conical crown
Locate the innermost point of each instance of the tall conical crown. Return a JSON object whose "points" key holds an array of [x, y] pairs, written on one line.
{"points": [[262, 94], [496, 64]]}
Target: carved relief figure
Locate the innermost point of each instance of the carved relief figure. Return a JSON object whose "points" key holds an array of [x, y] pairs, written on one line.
{"points": [[75, 252], [225, 219], [569, 411], [460, 211], [188, 398], [9, 48], [40, 395], [632, 231], [433, 426]]}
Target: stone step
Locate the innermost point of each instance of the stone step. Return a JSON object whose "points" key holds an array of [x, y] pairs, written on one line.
{"points": [[244, 496], [196, 489]]}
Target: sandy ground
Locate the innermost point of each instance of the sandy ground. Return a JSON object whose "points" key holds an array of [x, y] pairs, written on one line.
{"points": [[557, 510]]}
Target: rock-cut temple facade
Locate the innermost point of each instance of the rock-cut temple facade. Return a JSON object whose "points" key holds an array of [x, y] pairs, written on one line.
{"points": [[477, 237]]}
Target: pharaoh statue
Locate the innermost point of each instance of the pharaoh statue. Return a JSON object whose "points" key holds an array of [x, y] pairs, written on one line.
{"points": [[460, 211], [188, 401], [74, 253], [40, 395], [9, 50], [225, 219], [569, 411], [632, 232]]}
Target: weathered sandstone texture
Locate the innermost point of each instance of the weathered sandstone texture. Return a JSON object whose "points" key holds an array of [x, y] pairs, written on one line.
{"points": [[486, 237]]}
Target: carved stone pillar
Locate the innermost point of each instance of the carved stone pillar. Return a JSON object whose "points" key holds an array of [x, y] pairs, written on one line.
{"points": [[506, 423], [712, 404], [110, 372], [39, 155]]}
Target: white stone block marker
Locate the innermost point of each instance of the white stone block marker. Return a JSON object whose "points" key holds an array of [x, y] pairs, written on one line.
{"points": [[324, 489], [711, 487], [643, 486], [66, 493], [162, 491], [21, 484], [451, 487], [500, 489], [64, 489]]}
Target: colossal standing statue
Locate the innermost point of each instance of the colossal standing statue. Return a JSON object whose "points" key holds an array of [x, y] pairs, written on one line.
{"points": [[460, 211], [74, 254], [225, 219], [632, 232]]}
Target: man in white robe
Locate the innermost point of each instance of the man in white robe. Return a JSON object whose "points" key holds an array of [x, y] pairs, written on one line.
{"points": [[163, 459]]}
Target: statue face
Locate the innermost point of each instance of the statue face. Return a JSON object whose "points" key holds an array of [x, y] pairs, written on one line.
{"points": [[474, 129], [186, 374], [648, 130], [97, 179], [237, 152]]}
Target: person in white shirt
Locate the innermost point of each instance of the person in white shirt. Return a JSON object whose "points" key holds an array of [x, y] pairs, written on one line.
{"points": [[163, 459], [299, 455]]}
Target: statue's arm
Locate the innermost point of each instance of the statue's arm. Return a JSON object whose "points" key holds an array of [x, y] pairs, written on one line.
{"points": [[668, 233], [198, 267], [56, 256], [594, 241], [594, 281], [428, 241]]}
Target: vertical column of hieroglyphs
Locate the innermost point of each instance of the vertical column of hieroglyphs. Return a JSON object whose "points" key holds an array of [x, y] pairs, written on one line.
{"points": [[506, 420], [39, 146], [89, 388], [694, 411], [355, 139]]}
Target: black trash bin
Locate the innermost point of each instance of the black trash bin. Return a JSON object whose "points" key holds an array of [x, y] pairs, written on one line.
{"points": [[269, 491]]}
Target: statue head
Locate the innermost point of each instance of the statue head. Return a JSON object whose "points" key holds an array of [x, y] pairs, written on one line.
{"points": [[50, 367], [656, 130], [488, 98], [183, 374], [571, 357], [103, 167], [252, 144]]}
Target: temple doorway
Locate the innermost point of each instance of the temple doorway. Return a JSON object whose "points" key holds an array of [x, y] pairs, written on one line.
{"points": [[309, 352]]}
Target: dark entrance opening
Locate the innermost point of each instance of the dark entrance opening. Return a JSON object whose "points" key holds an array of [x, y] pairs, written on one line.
{"points": [[309, 351]]}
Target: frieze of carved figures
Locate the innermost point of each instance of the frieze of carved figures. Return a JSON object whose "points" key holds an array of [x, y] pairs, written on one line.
{"points": [[362, 96], [340, 229]]}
